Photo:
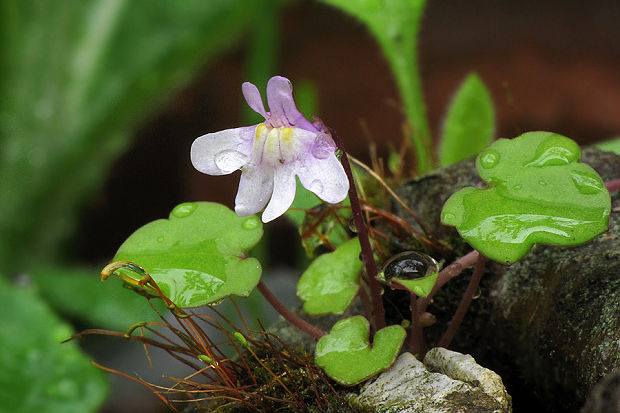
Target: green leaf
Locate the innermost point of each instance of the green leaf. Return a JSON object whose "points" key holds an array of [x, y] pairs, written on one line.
{"points": [[420, 286], [199, 255], [413, 270], [541, 195], [80, 294], [332, 280], [346, 355], [68, 106], [610, 146], [396, 24], [39, 374], [469, 124]]}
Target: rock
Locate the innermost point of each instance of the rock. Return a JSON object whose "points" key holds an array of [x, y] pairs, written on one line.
{"points": [[410, 386], [605, 396], [463, 367], [550, 323]]}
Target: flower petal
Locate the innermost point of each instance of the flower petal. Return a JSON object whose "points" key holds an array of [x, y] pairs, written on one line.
{"points": [[282, 109], [223, 152], [325, 177], [253, 98], [255, 188], [283, 193]]}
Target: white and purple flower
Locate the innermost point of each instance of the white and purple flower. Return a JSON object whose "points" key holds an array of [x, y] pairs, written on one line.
{"points": [[272, 153]]}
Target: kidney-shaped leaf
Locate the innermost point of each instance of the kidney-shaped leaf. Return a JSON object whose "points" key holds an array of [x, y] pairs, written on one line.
{"points": [[199, 255], [346, 355], [541, 194], [331, 281]]}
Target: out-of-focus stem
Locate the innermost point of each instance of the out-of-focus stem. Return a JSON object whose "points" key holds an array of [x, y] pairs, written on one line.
{"points": [[613, 185]]}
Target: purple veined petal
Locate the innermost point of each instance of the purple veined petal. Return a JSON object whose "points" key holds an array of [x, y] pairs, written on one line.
{"points": [[325, 177], [253, 98], [282, 109], [223, 152], [255, 188], [283, 193]]}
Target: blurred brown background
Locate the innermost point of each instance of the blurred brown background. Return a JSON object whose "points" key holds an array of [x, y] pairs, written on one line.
{"points": [[552, 65]]}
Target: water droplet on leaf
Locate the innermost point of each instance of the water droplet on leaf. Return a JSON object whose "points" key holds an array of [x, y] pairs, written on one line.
{"points": [[409, 265], [184, 210], [352, 226], [489, 159], [250, 223], [160, 239]]}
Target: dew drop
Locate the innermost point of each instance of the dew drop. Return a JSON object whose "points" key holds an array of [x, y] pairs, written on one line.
{"points": [[230, 160], [323, 147], [448, 217], [250, 223], [517, 187], [489, 159], [160, 239], [316, 186], [477, 294], [542, 182], [184, 210], [409, 265], [352, 226]]}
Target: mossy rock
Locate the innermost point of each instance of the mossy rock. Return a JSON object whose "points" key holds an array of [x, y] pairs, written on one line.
{"points": [[550, 323]]}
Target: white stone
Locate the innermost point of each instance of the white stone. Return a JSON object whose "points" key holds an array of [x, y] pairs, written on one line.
{"points": [[409, 387]]}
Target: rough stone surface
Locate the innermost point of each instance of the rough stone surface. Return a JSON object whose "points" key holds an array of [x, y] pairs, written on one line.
{"points": [[463, 367], [605, 396], [410, 387], [550, 323]]}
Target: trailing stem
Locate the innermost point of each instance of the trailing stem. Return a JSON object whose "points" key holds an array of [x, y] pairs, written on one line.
{"points": [[362, 234], [461, 310], [288, 315]]}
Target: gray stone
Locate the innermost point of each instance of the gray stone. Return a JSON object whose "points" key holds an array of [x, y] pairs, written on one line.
{"points": [[411, 387]]}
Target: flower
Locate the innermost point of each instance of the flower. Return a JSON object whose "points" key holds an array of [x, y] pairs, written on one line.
{"points": [[272, 153]]}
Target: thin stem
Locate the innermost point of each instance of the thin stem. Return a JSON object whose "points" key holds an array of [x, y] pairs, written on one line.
{"points": [[362, 235], [446, 275], [414, 340], [288, 315], [461, 310], [613, 185]]}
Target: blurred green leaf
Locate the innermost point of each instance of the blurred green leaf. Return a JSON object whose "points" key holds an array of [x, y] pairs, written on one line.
{"points": [[331, 281], [469, 123], [75, 78], [80, 294], [199, 255], [540, 194], [39, 374], [610, 146], [347, 356], [396, 24]]}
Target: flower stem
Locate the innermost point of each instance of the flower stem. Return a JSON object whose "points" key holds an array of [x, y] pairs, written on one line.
{"points": [[288, 315], [362, 235], [461, 310]]}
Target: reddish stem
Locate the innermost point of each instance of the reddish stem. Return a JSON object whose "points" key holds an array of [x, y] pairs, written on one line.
{"points": [[613, 185], [461, 310], [362, 235], [288, 315], [446, 275], [414, 340]]}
